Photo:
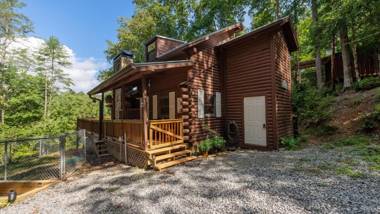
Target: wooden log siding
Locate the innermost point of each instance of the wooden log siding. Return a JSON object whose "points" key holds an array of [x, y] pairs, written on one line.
{"points": [[185, 112], [206, 75], [283, 95], [163, 45], [249, 73]]}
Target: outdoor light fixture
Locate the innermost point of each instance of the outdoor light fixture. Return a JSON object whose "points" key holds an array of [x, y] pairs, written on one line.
{"points": [[12, 196]]}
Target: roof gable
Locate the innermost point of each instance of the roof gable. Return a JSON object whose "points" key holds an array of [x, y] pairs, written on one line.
{"points": [[233, 28], [283, 24]]}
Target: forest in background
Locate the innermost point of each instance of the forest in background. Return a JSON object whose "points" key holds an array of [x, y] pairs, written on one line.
{"points": [[322, 26], [36, 98], [35, 94]]}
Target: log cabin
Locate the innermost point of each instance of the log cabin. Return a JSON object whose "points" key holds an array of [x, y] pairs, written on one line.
{"points": [[233, 84]]}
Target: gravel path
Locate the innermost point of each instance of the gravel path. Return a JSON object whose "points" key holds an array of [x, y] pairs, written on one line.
{"points": [[236, 182]]}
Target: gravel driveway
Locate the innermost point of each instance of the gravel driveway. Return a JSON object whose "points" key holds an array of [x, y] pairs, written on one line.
{"points": [[236, 182]]}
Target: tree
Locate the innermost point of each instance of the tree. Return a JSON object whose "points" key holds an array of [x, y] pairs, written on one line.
{"points": [[344, 42], [317, 51], [185, 20], [12, 25], [24, 105], [52, 58]]}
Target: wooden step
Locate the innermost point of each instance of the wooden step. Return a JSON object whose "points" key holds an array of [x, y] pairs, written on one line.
{"points": [[171, 155], [161, 166], [166, 149], [165, 144], [104, 155]]}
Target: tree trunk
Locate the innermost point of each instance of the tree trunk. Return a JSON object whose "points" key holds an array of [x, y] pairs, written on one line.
{"points": [[277, 9], [46, 94], [2, 116], [318, 63], [332, 71], [355, 55], [347, 76]]}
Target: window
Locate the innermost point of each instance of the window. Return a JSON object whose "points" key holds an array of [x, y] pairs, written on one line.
{"points": [[210, 104], [164, 107], [151, 47]]}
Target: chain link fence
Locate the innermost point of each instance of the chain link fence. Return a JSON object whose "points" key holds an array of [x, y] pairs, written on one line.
{"points": [[42, 158]]}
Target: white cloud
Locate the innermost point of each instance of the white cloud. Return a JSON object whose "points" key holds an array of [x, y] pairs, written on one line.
{"points": [[82, 71]]}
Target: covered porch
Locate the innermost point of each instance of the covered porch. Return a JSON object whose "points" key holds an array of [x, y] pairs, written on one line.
{"points": [[148, 105]]}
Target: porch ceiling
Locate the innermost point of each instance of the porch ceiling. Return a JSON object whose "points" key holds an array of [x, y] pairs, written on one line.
{"points": [[136, 71]]}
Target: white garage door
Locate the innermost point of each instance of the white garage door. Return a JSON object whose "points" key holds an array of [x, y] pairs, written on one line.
{"points": [[254, 121]]}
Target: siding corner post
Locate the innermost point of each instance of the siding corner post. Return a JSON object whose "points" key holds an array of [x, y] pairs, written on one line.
{"points": [[84, 144], [145, 112], [62, 156], [101, 117]]}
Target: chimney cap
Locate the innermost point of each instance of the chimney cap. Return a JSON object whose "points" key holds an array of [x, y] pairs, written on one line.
{"points": [[125, 53]]}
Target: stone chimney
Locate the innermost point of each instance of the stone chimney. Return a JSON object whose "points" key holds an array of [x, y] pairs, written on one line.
{"points": [[122, 60]]}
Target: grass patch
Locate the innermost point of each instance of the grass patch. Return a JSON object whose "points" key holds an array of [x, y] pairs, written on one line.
{"points": [[363, 147], [292, 143], [348, 171], [356, 140]]}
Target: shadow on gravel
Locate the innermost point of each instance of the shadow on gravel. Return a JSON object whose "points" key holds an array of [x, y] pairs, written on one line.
{"points": [[242, 181]]}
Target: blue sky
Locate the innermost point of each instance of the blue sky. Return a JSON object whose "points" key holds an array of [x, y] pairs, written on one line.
{"points": [[82, 25]]}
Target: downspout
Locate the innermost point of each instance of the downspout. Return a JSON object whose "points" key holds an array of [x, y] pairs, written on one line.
{"points": [[101, 113]]}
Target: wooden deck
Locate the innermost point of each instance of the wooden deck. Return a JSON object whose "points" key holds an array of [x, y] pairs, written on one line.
{"points": [[124, 139]]}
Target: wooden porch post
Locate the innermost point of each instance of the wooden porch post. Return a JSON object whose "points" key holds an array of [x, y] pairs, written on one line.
{"points": [[101, 117], [145, 112]]}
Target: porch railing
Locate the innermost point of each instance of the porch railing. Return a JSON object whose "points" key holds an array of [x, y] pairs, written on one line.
{"points": [[132, 129], [161, 133], [165, 133]]}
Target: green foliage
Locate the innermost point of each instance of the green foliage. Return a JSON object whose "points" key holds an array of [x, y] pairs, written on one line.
{"points": [[291, 143], [311, 105], [371, 122], [346, 170], [213, 143], [367, 83], [51, 59], [352, 141], [322, 130], [205, 146], [218, 143]]}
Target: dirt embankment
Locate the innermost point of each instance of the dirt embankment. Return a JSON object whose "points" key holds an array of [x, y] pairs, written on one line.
{"points": [[351, 107]]}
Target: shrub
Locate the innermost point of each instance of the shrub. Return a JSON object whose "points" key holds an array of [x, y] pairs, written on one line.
{"points": [[213, 143], [371, 122], [290, 143], [377, 108], [218, 143], [367, 83], [312, 106], [205, 146]]}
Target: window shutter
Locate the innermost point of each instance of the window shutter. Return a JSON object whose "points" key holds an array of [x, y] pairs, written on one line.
{"points": [[201, 103], [218, 104], [154, 107], [179, 105], [172, 105]]}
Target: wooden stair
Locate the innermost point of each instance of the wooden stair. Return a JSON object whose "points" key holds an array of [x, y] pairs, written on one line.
{"points": [[170, 156], [101, 149]]}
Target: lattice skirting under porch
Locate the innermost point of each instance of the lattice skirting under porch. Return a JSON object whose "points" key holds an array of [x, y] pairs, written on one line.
{"points": [[137, 157]]}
